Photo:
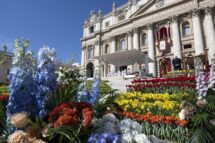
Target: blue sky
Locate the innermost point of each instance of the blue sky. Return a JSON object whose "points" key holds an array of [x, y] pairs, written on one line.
{"points": [[56, 23]]}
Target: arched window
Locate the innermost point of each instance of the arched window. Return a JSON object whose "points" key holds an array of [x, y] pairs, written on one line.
{"points": [[186, 31], [106, 51], [123, 45], [90, 52], [144, 39]]}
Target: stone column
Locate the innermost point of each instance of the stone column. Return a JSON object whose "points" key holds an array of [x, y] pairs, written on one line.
{"points": [[129, 40], [130, 47], [113, 50], [136, 39], [97, 53], [176, 37], [151, 50], [197, 31], [210, 33], [83, 57]]}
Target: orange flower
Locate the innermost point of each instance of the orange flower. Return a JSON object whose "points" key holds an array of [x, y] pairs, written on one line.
{"points": [[87, 117], [63, 120], [153, 119]]}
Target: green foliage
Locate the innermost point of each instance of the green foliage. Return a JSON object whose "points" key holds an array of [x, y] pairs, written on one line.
{"points": [[63, 134], [104, 103], [202, 130], [4, 89], [3, 117], [105, 88], [203, 135], [63, 93], [68, 134], [201, 120], [166, 132]]}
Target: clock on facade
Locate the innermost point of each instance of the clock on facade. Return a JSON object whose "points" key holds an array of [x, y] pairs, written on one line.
{"points": [[159, 3]]}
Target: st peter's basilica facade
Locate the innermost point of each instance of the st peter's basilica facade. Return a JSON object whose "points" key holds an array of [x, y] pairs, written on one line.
{"points": [[141, 33]]}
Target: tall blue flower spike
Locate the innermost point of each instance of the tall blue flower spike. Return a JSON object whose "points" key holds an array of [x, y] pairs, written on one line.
{"points": [[93, 96], [96, 85], [45, 77], [22, 83], [82, 94]]}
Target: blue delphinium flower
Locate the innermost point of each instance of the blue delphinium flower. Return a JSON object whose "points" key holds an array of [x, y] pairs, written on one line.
{"points": [[46, 78], [95, 91], [82, 94], [104, 138], [93, 96], [22, 83]]}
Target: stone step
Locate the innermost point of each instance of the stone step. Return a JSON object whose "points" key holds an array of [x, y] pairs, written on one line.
{"points": [[118, 83]]}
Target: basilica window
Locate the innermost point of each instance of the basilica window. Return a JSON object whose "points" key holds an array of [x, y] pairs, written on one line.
{"points": [[90, 52], [186, 30], [106, 50], [92, 28], [123, 45], [144, 39], [188, 46], [107, 24], [163, 33], [121, 17]]}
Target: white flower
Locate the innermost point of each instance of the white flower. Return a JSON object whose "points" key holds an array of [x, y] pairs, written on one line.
{"points": [[108, 124], [141, 138], [19, 120], [18, 137], [96, 122], [136, 126], [182, 114], [110, 128], [127, 138]]}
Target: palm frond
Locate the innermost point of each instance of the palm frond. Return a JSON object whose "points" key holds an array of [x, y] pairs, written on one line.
{"points": [[202, 135], [63, 134], [61, 95]]}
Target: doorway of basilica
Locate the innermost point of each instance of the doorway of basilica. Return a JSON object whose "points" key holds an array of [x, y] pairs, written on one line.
{"points": [[90, 68]]}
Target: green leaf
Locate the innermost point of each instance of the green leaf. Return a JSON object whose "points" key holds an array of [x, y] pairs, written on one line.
{"points": [[202, 135]]}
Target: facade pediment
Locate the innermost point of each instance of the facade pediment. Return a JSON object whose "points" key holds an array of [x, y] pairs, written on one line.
{"points": [[155, 5]]}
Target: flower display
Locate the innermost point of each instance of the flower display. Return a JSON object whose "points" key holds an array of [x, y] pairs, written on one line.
{"points": [[22, 83], [160, 84], [68, 114], [19, 120], [46, 78], [153, 119], [104, 138], [68, 73], [143, 103]]}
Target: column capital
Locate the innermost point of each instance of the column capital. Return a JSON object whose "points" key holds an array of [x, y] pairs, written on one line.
{"points": [[208, 11], [129, 33], [195, 13], [150, 26], [174, 19], [135, 30], [112, 38], [97, 42]]}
